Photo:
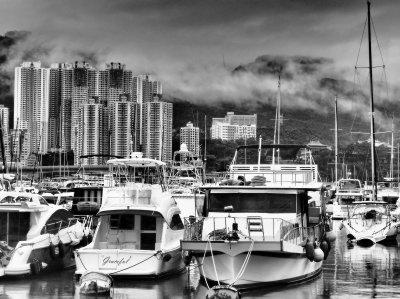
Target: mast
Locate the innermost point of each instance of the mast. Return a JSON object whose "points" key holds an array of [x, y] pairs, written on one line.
{"points": [[205, 140], [373, 163], [277, 122], [336, 142], [392, 149]]}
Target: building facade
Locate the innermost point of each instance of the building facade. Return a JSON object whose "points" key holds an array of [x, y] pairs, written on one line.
{"points": [[190, 136], [233, 127], [31, 98]]}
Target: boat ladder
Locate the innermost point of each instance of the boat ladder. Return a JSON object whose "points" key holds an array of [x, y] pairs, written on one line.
{"points": [[255, 224]]}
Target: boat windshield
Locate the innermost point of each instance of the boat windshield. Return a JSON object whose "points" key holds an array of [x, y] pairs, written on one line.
{"points": [[255, 202]]}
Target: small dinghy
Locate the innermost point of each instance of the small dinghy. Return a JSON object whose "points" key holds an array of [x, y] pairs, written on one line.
{"points": [[95, 283], [223, 291]]}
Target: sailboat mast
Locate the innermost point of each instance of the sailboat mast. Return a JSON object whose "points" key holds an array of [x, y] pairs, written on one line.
{"points": [[392, 150], [373, 163], [279, 116], [336, 142], [277, 129]]}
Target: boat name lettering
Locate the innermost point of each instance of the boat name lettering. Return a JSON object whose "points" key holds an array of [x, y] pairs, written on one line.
{"points": [[109, 260]]}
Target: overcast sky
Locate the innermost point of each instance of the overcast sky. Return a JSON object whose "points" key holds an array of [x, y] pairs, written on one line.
{"points": [[178, 38]]}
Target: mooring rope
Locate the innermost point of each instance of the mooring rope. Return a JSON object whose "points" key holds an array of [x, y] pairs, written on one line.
{"points": [[202, 268], [245, 263]]}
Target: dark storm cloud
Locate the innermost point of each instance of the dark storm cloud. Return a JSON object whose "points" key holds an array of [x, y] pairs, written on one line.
{"points": [[193, 46]]}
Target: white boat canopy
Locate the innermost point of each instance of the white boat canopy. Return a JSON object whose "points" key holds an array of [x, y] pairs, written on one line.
{"points": [[136, 160]]}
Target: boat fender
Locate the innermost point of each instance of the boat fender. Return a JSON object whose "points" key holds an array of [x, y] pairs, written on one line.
{"points": [[166, 258], [52, 250], [187, 258], [84, 240], [61, 249], [330, 236], [36, 267], [325, 248], [89, 238], [309, 250], [318, 255]]}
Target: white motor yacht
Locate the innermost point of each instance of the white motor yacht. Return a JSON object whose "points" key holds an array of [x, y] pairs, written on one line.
{"points": [[257, 227], [36, 236], [139, 228]]}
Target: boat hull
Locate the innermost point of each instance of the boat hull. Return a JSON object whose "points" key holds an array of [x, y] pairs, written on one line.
{"points": [[264, 267], [125, 262], [373, 234]]}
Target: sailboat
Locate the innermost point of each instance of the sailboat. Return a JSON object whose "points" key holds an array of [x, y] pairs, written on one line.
{"points": [[371, 221], [347, 190]]}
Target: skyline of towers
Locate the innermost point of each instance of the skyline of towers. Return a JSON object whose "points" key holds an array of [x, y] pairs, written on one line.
{"points": [[55, 105]]}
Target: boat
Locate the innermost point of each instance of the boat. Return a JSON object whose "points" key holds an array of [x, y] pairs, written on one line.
{"points": [[371, 221], [36, 236], [257, 228], [95, 283], [186, 177], [347, 192], [139, 226]]}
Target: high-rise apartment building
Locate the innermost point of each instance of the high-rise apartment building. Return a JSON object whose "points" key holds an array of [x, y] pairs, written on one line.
{"points": [[233, 127], [122, 114], [144, 90], [190, 137], [92, 132], [31, 96], [157, 130], [5, 128]]}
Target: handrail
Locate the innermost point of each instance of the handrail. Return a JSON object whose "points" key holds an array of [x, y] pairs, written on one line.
{"points": [[219, 228]]}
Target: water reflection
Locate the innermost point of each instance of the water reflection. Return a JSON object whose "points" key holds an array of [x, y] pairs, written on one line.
{"points": [[347, 273]]}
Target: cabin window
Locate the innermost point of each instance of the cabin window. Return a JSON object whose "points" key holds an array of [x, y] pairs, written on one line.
{"points": [[148, 234], [176, 222], [8, 199], [148, 223], [14, 227], [253, 202], [122, 222]]}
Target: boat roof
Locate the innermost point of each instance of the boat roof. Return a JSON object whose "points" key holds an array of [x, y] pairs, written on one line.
{"points": [[22, 201], [308, 187], [136, 162], [276, 146]]}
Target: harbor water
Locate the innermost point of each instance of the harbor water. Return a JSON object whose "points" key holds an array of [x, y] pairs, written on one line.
{"points": [[349, 272]]}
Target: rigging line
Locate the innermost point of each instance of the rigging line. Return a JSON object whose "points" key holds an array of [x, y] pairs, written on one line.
{"points": [[377, 41], [362, 37], [373, 67]]}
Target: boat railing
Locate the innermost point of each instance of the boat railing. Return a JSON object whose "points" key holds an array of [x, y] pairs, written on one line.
{"points": [[299, 234], [225, 228], [293, 174], [55, 227]]}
